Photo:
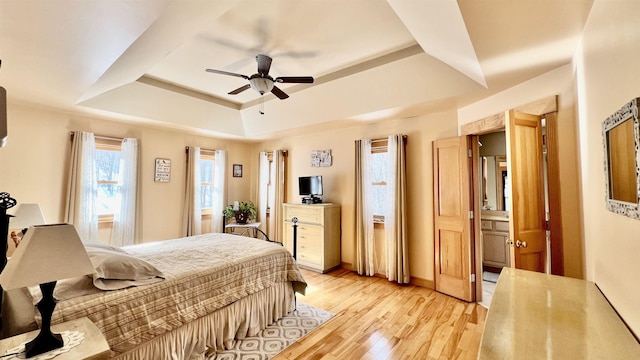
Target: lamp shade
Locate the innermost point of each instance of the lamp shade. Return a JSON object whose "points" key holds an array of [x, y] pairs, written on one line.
{"points": [[46, 253], [26, 215]]}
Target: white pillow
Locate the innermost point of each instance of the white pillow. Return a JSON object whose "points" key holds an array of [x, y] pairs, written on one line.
{"points": [[118, 270]]}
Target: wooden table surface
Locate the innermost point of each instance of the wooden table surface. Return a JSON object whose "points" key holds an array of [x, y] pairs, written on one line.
{"points": [[540, 316]]}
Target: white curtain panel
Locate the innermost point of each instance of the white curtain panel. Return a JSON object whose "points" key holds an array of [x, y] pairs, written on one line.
{"points": [[124, 220], [364, 209], [395, 222], [192, 213], [220, 191], [82, 186], [263, 185]]}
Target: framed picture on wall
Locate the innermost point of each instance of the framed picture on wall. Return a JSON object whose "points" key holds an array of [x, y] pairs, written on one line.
{"points": [[237, 170], [163, 170]]}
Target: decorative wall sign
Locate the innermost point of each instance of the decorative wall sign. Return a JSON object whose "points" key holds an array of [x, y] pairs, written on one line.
{"points": [[321, 158], [237, 170], [163, 170]]}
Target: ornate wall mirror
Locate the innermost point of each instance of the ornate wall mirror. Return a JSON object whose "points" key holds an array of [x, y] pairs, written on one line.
{"points": [[621, 137]]}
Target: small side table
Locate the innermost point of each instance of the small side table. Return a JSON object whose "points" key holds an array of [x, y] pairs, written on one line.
{"points": [[253, 225], [94, 346]]}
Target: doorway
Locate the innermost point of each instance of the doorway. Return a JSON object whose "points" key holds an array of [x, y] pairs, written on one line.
{"points": [[457, 236], [553, 242], [495, 227], [493, 200]]}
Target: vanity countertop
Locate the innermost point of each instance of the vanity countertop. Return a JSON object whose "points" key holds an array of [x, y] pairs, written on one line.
{"points": [[494, 217]]}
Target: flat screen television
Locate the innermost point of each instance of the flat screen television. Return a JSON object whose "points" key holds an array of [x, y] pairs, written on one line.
{"points": [[310, 185]]}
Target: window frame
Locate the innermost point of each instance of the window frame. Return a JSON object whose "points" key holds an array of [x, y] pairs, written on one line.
{"points": [[379, 146], [107, 144], [207, 155]]}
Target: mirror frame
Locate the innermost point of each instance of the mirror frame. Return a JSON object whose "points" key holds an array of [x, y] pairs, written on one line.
{"points": [[628, 111]]}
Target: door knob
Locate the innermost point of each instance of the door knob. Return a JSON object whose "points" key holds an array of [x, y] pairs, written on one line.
{"points": [[522, 244], [509, 242]]}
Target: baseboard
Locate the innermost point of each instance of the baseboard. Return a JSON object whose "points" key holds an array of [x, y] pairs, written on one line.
{"points": [[429, 284], [347, 266]]}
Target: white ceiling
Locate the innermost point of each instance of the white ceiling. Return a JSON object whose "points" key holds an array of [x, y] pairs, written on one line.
{"points": [[145, 60]]}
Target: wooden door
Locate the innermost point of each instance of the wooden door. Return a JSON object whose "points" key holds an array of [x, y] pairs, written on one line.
{"points": [[453, 231], [526, 193]]}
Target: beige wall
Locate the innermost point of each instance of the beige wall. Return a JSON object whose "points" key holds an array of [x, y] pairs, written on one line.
{"points": [[35, 163], [339, 178], [608, 76]]}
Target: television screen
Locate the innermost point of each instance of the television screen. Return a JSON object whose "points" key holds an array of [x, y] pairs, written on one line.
{"points": [[310, 185]]}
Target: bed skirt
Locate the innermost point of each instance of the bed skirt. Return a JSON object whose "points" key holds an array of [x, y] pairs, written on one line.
{"points": [[201, 338]]}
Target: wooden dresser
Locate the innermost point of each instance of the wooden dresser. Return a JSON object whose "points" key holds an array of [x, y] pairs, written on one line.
{"points": [[318, 235], [540, 316]]}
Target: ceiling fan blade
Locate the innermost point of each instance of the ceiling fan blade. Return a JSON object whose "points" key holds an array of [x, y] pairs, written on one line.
{"points": [[239, 90], [227, 73], [279, 93], [264, 63], [295, 79]]}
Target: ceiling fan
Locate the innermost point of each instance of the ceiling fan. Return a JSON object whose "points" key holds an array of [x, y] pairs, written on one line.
{"points": [[262, 82]]}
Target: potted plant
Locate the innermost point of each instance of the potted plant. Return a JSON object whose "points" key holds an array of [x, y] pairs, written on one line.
{"points": [[241, 211]]}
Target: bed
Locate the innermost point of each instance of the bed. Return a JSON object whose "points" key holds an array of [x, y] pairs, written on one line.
{"points": [[200, 294]]}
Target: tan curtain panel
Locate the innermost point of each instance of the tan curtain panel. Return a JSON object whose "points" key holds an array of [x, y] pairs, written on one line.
{"points": [[395, 220], [80, 207], [192, 214]]}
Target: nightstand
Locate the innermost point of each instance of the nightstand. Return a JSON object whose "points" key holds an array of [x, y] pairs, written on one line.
{"points": [[94, 346]]}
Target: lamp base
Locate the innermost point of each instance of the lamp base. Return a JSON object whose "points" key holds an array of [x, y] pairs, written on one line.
{"points": [[44, 342]]}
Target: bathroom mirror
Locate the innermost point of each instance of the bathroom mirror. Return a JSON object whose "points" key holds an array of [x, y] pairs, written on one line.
{"points": [[620, 133], [494, 182]]}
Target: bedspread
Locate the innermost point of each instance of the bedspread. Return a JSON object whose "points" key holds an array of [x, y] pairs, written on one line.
{"points": [[203, 273]]}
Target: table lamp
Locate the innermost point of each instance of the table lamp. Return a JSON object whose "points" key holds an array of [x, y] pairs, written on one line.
{"points": [[47, 253]]}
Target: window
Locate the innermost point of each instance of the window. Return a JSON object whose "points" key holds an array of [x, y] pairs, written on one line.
{"points": [[207, 166], [108, 158], [379, 167]]}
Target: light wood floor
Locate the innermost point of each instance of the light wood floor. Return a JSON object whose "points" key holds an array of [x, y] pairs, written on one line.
{"points": [[378, 319]]}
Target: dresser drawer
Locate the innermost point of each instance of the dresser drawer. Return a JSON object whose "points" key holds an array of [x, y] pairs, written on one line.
{"points": [[312, 240], [309, 230], [486, 225], [310, 257], [305, 214], [501, 225], [310, 249]]}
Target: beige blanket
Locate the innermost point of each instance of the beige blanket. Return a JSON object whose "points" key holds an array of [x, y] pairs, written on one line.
{"points": [[203, 273]]}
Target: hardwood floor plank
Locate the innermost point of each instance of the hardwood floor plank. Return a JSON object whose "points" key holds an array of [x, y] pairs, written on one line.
{"points": [[378, 319]]}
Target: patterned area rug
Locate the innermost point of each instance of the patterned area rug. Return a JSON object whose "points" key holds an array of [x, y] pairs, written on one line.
{"points": [[276, 337]]}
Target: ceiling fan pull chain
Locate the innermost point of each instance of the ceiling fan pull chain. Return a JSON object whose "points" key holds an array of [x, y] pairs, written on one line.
{"points": [[261, 106]]}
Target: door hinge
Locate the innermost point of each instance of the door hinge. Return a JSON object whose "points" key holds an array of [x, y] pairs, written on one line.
{"points": [[473, 277], [469, 153], [470, 214]]}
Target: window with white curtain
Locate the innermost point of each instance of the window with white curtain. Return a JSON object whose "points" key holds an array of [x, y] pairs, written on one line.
{"points": [[379, 171], [207, 186], [108, 159]]}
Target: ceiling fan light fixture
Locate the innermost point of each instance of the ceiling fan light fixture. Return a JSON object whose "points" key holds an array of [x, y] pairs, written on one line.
{"points": [[261, 84]]}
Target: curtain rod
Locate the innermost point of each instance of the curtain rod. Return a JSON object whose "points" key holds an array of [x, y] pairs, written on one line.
{"points": [[102, 137], [186, 149], [404, 137]]}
